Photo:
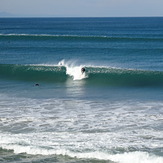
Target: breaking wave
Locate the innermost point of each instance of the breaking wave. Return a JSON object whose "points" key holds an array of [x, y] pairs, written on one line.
{"points": [[93, 74]]}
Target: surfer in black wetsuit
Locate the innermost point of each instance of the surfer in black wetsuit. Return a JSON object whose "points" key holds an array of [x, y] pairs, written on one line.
{"points": [[83, 70]]}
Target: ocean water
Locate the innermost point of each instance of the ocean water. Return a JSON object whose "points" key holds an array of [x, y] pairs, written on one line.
{"points": [[52, 112]]}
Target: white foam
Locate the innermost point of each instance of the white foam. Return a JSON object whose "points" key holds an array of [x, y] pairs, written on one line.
{"points": [[73, 70], [81, 126], [134, 157]]}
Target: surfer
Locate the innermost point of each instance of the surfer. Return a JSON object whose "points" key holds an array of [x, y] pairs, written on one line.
{"points": [[83, 70]]}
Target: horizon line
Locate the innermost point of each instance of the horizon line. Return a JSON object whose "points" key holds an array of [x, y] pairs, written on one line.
{"points": [[81, 16]]}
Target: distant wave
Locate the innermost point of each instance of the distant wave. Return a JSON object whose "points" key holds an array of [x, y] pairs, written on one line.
{"points": [[81, 37], [93, 75]]}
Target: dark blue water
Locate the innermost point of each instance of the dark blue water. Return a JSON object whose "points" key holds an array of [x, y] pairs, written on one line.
{"points": [[124, 42], [52, 112]]}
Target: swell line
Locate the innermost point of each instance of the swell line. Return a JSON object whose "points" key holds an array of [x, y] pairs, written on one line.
{"points": [[91, 37]]}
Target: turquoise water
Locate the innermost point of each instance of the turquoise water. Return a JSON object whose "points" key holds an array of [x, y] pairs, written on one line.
{"points": [[52, 112]]}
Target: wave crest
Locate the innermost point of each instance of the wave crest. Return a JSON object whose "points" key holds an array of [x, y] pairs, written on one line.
{"points": [[93, 75]]}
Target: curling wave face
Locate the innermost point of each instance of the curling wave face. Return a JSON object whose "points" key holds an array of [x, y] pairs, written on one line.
{"points": [[93, 74]]}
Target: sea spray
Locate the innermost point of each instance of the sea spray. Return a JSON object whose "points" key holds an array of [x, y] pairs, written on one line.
{"points": [[72, 70]]}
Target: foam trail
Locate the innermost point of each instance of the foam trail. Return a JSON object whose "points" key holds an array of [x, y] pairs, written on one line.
{"points": [[73, 70]]}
